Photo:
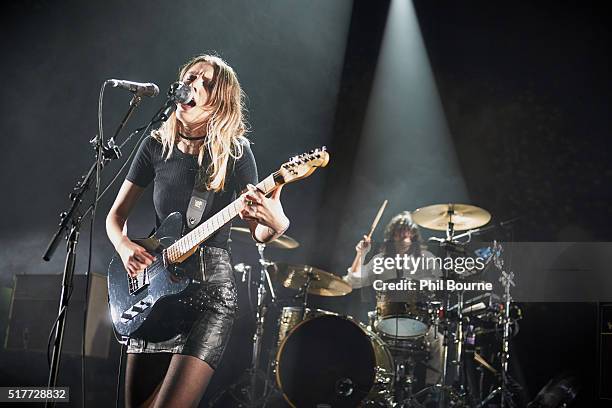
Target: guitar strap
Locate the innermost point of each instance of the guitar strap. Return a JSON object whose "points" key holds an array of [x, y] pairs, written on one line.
{"points": [[199, 203], [201, 199]]}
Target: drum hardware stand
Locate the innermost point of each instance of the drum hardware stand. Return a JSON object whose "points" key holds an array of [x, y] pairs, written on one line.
{"points": [[405, 379], [253, 373], [445, 327], [260, 316], [303, 293], [459, 345], [507, 280], [457, 389], [481, 377]]}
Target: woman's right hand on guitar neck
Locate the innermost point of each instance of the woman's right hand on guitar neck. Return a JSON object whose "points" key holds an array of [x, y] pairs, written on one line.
{"points": [[134, 257]]}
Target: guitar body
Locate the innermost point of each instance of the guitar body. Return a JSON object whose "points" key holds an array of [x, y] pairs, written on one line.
{"points": [[150, 312]]}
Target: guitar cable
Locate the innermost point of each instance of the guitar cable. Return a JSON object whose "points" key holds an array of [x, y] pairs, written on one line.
{"points": [[92, 219], [50, 338], [118, 386]]}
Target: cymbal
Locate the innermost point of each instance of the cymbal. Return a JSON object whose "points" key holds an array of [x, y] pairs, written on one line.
{"points": [[283, 242], [463, 216], [294, 277]]}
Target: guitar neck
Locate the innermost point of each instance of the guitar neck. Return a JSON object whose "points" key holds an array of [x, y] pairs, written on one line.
{"points": [[187, 245]]}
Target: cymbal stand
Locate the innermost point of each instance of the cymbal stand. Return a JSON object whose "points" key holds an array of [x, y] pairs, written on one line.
{"points": [[248, 395], [310, 277], [459, 341], [457, 388], [260, 317], [446, 331], [507, 281]]}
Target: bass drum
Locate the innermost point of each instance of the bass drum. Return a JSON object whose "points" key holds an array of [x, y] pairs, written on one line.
{"points": [[333, 361], [291, 316]]}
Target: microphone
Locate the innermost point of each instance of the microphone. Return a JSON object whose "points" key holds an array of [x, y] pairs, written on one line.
{"points": [[138, 88], [180, 92]]}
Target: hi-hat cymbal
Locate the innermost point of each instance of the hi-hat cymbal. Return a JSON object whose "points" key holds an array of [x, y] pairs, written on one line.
{"points": [[322, 283], [283, 242], [463, 216]]}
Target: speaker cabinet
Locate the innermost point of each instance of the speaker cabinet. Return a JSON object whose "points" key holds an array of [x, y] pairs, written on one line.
{"points": [[34, 308]]}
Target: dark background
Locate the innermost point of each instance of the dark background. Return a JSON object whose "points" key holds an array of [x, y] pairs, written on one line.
{"points": [[524, 88]]}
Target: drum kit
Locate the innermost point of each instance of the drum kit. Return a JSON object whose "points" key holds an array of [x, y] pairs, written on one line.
{"points": [[324, 359]]}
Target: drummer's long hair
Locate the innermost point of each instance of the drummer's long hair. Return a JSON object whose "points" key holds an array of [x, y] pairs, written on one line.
{"points": [[399, 222], [226, 127]]}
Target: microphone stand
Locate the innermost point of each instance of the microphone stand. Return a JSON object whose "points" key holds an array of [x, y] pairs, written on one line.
{"points": [[70, 223]]}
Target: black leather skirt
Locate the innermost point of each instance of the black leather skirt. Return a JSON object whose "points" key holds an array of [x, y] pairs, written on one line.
{"points": [[210, 309]]}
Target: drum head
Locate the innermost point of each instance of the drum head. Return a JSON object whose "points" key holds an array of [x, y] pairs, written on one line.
{"points": [[401, 327], [328, 360]]}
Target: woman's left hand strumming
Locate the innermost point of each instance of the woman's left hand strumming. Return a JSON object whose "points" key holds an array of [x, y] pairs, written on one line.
{"points": [[264, 211]]}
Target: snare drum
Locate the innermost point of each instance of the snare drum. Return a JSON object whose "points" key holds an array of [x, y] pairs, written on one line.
{"points": [[404, 315], [334, 361]]}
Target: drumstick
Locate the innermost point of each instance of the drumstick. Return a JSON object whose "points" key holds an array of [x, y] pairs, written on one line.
{"points": [[380, 213], [357, 260], [484, 363]]}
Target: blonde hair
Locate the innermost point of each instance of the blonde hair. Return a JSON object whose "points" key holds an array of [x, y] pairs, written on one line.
{"points": [[225, 128]]}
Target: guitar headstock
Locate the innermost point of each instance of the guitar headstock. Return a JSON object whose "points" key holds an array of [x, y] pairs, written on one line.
{"points": [[302, 166]]}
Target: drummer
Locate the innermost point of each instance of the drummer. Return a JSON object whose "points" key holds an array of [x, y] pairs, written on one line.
{"points": [[401, 237]]}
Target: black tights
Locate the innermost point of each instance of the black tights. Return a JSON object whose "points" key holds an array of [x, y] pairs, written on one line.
{"points": [[165, 380]]}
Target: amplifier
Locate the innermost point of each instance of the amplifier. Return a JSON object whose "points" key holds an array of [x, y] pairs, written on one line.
{"points": [[34, 307]]}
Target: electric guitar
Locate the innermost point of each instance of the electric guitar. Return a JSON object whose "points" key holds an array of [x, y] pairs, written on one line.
{"points": [[144, 306]]}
